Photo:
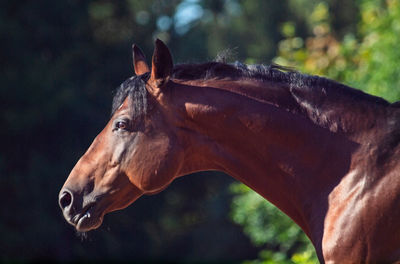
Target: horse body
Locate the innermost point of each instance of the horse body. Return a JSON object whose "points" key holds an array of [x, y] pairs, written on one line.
{"points": [[323, 153]]}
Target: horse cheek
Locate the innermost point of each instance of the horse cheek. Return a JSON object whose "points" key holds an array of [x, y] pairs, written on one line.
{"points": [[167, 168], [155, 165]]}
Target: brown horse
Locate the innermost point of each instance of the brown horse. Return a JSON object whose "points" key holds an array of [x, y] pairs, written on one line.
{"points": [[322, 152]]}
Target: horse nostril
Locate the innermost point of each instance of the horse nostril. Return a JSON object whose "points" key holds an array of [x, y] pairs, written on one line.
{"points": [[65, 199]]}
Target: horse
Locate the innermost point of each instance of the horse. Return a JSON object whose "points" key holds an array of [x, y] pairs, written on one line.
{"points": [[324, 153]]}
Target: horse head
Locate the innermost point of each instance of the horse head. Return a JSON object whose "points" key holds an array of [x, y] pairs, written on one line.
{"points": [[136, 153]]}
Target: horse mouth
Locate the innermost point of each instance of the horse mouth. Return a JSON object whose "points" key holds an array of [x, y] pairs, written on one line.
{"points": [[88, 219]]}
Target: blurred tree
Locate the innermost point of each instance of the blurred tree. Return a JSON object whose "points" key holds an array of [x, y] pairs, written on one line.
{"points": [[364, 58], [282, 240]]}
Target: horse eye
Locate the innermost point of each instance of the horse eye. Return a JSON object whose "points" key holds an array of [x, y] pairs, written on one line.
{"points": [[121, 125]]}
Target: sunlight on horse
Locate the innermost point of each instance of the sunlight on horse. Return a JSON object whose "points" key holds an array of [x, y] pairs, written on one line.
{"points": [[324, 153]]}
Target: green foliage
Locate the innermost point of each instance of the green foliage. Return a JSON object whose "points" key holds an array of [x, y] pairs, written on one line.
{"points": [[366, 59], [284, 242], [378, 53]]}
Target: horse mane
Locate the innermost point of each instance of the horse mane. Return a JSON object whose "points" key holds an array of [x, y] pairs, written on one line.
{"points": [[270, 73]]}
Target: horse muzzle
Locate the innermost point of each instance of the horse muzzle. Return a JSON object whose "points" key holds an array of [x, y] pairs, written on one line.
{"points": [[84, 216]]}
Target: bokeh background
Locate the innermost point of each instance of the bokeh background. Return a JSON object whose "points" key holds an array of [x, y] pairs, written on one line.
{"points": [[60, 62]]}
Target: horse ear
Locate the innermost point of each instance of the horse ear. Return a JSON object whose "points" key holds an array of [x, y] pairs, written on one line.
{"points": [[139, 61], [162, 65]]}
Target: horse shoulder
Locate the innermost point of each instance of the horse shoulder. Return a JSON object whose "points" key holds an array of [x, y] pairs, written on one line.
{"points": [[361, 222]]}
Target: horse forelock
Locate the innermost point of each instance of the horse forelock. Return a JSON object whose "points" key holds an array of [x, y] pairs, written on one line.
{"points": [[135, 88]]}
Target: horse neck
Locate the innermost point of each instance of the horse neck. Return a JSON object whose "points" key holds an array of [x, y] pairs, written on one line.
{"points": [[267, 139]]}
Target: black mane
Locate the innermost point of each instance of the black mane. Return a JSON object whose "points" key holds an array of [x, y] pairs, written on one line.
{"points": [[269, 73], [220, 70]]}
